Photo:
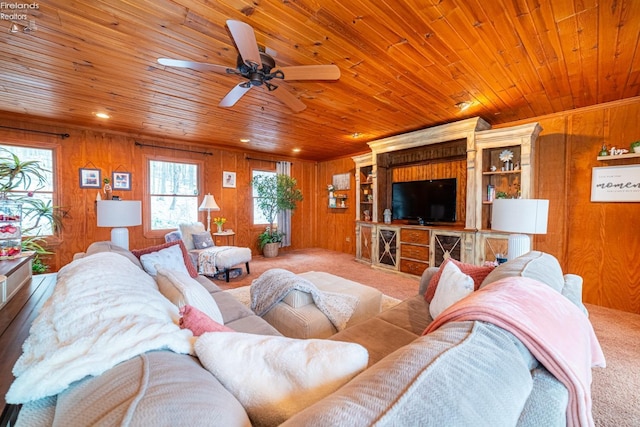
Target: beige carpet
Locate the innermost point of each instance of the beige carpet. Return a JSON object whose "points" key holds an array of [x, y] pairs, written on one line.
{"points": [[615, 389], [242, 295], [338, 263]]}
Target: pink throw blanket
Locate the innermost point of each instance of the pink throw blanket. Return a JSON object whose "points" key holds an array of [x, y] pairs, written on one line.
{"points": [[554, 330]]}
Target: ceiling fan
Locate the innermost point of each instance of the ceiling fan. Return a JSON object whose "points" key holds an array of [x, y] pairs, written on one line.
{"points": [[259, 68]]}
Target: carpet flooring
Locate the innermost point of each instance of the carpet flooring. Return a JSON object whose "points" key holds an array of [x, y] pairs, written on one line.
{"points": [[338, 263], [615, 389]]}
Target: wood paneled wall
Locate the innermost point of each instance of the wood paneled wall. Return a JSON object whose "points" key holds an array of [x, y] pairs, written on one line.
{"points": [[112, 151], [598, 241]]}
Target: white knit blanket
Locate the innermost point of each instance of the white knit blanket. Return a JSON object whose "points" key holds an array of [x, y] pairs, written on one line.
{"points": [[104, 310], [274, 284]]}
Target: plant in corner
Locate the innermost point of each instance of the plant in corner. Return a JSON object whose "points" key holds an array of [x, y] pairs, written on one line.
{"points": [[275, 194], [16, 178]]}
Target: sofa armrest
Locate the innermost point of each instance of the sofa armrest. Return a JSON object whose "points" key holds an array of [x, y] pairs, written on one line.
{"points": [[572, 289], [426, 277]]}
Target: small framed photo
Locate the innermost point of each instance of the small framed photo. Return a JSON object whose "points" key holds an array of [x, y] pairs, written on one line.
{"points": [[341, 181], [90, 178], [121, 180], [229, 179]]}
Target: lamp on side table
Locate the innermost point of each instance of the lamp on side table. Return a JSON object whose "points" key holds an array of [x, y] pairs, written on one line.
{"points": [[119, 214], [521, 217], [209, 204]]}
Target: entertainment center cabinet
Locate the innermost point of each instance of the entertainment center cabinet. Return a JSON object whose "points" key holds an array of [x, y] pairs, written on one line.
{"points": [[467, 150]]}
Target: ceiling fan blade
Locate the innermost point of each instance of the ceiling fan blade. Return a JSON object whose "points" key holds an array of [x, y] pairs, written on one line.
{"points": [[311, 72], [234, 95], [245, 39], [288, 99], [199, 66]]}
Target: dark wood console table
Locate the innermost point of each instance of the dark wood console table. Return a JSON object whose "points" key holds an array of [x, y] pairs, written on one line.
{"points": [[16, 317]]}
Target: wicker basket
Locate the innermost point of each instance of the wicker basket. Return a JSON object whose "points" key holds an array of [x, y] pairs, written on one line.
{"points": [[270, 250]]}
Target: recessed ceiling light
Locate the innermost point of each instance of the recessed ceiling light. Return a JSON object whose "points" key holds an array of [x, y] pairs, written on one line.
{"points": [[245, 140], [464, 105], [103, 115], [296, 150], [356, 135]]}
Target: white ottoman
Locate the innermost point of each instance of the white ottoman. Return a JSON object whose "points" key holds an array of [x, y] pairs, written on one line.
{"points": [[221, 259], [296, 316]]}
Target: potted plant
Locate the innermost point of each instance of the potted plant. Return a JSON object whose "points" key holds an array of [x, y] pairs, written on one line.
{"points": [[16, 174], [275, 194], [635, 147]]}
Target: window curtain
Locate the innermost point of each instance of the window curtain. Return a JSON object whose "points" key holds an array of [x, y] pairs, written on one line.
{"points": [[284, 217]]}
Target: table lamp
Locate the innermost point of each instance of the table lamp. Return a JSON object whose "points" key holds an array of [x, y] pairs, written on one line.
{"points": [[209, 204], [520, 217], [119, 214]]}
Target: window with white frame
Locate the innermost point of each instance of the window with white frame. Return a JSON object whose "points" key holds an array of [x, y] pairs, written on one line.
{"points": [[38, 197], [258, 217], [173, 193]]}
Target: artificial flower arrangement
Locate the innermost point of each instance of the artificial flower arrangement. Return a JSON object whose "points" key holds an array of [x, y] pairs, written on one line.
{"points": [[219, 220], [506, 156]]}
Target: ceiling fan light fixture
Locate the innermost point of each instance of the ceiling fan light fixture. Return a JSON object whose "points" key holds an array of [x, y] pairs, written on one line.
{"points": [[356, 135], [245, 140], [464, 105]]}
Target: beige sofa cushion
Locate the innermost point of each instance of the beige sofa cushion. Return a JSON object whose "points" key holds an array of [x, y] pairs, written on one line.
{"points": [[153, 389], [536, 265]]}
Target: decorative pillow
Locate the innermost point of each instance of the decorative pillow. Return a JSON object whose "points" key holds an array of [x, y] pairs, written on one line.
{"points": [[202, 240], [275, 377], [187, 230], [198, 322], [181, 289], [182, 258], [452, 287], [476, 272]]}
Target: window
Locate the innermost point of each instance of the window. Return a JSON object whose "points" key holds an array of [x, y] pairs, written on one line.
{"points": [[173, 193], [38, 197], [258, 218]]}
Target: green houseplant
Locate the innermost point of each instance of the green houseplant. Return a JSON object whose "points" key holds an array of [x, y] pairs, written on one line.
{"points": [[635, 147], [275, 194], [16, 174]]}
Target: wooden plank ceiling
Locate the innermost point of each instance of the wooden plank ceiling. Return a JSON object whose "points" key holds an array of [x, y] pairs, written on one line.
{"points": [[404, 66]]}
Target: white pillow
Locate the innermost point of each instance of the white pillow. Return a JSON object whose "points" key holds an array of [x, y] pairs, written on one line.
{"points": [[452, 287], [187, 230], [275, 377], [170, 258], [181, 289]]}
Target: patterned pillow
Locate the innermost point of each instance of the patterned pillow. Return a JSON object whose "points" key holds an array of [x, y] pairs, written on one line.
{"points": [[202, 240], [452, 287], [476, 272], [191, 269], [187, 230]]}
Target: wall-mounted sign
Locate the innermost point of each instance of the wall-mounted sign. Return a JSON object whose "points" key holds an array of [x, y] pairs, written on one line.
{"points": [[615, 184]]}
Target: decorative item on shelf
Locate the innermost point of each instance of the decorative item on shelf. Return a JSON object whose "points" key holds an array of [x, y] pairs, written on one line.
{"points": [[501, 195], [342, 203], [516, 166], [491, 193], [107, 189], [387, 216], [618, 151], [635, 147], [330, 189], [493, 168], [367, 215], [370, 198], [604, 151], [520, 217], [10, 228], [506, 156], [369, 178], [219, 221], [209, 204]]}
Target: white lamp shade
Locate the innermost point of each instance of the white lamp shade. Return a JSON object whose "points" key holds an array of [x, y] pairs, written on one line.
{"points": [[526, 216], [209, 204], [119, 213]]}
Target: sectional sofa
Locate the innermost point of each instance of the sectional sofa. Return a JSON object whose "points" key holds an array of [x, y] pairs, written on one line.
{"points": [[467, 372]]}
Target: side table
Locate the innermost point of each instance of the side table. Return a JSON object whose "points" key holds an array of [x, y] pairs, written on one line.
{"points": [[227, 234]]}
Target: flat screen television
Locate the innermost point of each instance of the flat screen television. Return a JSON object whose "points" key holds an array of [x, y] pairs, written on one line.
{"points": [[425, 202]]}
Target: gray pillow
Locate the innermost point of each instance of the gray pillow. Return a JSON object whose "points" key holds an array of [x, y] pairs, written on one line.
{"points": [[202, 240]]}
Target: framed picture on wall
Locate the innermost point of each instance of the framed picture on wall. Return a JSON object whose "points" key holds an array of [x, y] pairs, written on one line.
{"points": [[229, 179], [90, 178], [615, 184], [341, 181], [121, 180]]}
